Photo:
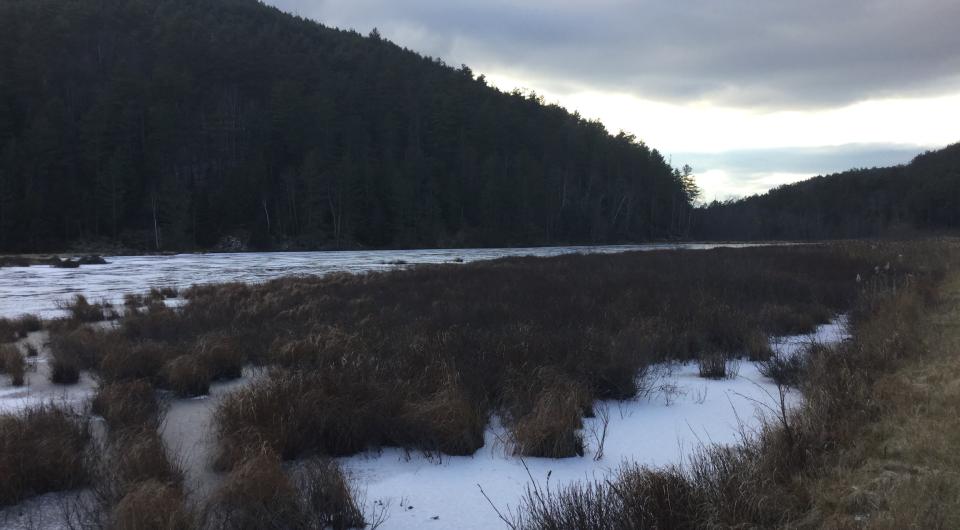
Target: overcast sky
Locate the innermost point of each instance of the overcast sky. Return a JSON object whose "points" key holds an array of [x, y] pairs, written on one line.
{"points": [[751, 93]]}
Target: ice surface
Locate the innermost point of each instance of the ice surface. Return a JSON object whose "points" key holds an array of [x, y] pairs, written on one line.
{"points": [[37, 289]]}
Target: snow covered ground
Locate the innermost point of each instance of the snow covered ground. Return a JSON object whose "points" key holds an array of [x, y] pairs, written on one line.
{"points": [[682, 412], [37, 290]]}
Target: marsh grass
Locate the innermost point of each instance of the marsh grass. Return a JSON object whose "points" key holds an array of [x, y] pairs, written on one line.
{"points": [[128, 405], [422, 357], [772, 478], [42, 449], [260, 493], [12, 330], [13, 364]]}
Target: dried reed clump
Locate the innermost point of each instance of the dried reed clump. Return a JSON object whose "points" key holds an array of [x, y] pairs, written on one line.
{"points": [[128, 404], [41, 450], [187, 376], [221, 355], [259, 493], [152, 504], [82, 312], [124, 360], [13, 364], [75, 350], [449, 421], [713, 366], [546, 421], [15, 329]]}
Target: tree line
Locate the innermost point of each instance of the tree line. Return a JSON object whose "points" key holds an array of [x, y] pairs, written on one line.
{"points": [[181, 124], [922, 196]]}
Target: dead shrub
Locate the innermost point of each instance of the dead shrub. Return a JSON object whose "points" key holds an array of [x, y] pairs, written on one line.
{"points": [[41, 450], [128, 404], [187, 376]]}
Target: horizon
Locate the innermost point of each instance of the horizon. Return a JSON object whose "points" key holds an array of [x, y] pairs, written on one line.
{"points": [[793, 91]]}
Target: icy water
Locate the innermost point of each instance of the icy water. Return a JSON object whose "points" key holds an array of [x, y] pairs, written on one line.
{"points": [[37, 290]]}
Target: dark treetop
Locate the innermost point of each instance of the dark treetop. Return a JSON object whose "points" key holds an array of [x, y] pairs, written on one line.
{"points": [[173, 124], [918, 197]]}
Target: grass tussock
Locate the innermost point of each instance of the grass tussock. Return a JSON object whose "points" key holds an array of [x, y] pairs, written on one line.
{"points": [[153, 505], [73, 351], [13, 364], [187, 376], [259, 493], [548, 418], [134, 486], [42, 449], [133, 457], [12, 330], [126, 405], [82, 311]]}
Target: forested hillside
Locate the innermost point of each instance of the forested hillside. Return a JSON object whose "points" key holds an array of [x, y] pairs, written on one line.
{"points": [[921, 196], [174, 124]]}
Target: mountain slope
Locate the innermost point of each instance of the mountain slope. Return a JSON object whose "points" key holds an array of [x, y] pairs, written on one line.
{"points": [[921, 196], [177, 123]]}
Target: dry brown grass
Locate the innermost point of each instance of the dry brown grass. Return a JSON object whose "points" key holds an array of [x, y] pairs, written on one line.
{"points": [[15, 329], [902, 470], [831, 463], [259, 493], [547, 415], [13, 364], [187, 376], [74, 350], [129, 404], [422, 357], [41, 450], [152, 505]]}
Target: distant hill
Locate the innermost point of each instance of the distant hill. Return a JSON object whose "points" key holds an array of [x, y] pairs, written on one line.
{"points": [[178, 124], [923, 195]]}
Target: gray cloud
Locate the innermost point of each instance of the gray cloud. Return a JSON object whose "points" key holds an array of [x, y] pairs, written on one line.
{"points": [[753, 170], [820, 160], [749, 53]]}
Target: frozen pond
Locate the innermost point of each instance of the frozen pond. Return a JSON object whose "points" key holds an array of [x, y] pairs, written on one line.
{"points": [[37, 289]]}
